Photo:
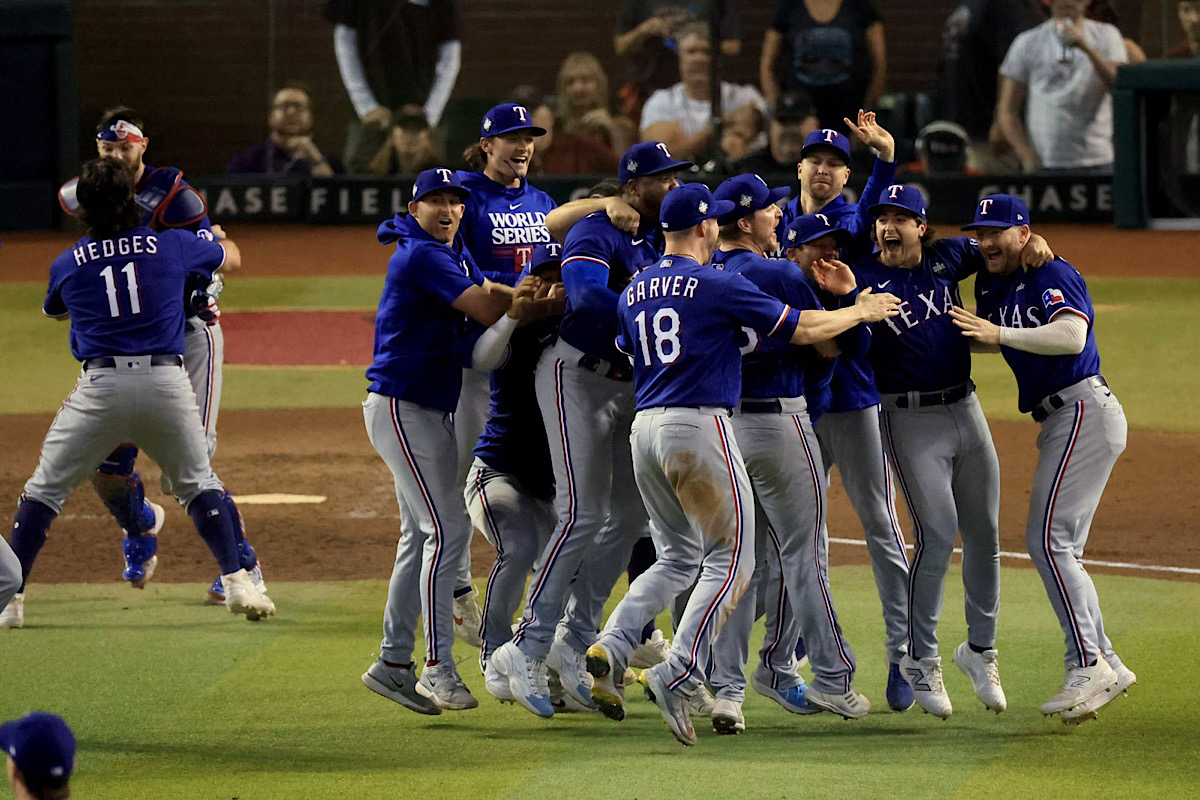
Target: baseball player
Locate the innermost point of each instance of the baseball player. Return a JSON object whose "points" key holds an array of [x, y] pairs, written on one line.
{"points": [[167, 202], [586, 397], [426, 331], [504, 221], [938, 442], [681, 321], [782, 458], [122, 287], [1041, 321]]}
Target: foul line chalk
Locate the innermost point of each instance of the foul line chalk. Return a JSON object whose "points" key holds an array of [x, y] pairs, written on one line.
{"points": [[1087, 561], [278, 499]]}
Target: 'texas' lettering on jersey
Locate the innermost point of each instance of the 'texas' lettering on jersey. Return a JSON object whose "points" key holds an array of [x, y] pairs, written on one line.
{"points": [[934, 303], [523, 227], [1020, 315]]}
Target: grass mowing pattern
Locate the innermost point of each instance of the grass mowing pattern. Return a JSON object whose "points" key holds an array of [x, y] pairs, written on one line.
{"points": [[173, 699]]}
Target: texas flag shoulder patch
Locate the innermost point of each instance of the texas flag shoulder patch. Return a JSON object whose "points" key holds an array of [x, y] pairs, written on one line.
{"points": [[1052, 297]]}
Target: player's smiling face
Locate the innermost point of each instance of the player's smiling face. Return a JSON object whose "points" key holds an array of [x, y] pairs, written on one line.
{"points": [[1001, 247], [439, 214], [128, 153], [823, 173], [508, 156], [899, 233]]}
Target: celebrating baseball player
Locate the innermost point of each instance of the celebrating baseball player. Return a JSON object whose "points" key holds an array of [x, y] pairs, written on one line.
{"points": [[586, 397], [122, 287], [167, 202], [424, 336], [1042, 322]]}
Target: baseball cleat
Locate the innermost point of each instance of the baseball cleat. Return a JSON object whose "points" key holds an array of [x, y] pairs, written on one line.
{"points": [[924, 675], [1088, 708], [850, 705], [242, 597], [571, 667], [792, 698], [560, 700], [727, 717], [399, 685], [527, 681], [674, 707], [13, 615], [1080, 685], [899, 693], [607, 694], [496, 684], [1125, 678], [651, 652], [442, 684], [629, 678], [468, 620], [984, 673], [215, 596], [702, 703]]}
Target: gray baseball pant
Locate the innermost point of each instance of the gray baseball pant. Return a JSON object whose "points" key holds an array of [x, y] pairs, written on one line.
{"points": [[474, 408], [697, 493], [1079, 444], [413, 441], [518, 526], [946, 466], [10, 573], [851, 440]]}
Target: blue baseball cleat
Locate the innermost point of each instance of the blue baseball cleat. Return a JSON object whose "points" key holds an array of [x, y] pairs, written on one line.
{"points": [[793, 698], [899, 693], [216, 594]]}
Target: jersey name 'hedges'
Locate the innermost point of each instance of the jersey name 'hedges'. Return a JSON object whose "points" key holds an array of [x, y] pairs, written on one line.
{"points": [[525, 227], [108, 248]]}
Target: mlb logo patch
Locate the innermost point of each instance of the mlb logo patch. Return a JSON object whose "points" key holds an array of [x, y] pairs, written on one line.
{"points": [[1052, 296]]}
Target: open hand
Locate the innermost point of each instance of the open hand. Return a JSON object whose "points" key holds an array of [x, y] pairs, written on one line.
{"points": [[976, 328], [872, 134], [876, 307], [834, 277]]}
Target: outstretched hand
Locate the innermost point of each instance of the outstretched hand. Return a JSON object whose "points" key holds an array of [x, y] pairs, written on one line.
{"points": [[875, 307], [872, 134], [974, 327], [834, 277]]}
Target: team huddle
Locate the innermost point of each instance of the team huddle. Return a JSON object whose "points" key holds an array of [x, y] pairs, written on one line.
{"points": [[664, 393]]}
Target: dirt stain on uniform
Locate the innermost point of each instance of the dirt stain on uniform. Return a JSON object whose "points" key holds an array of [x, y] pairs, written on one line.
{"points": [[699, 492]]}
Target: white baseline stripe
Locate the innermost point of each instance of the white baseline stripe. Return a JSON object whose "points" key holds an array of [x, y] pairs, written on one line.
{"points": [[1091, 562]]}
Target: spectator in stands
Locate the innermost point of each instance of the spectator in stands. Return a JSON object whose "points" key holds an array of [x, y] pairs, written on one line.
{"points": [[582, 137], [391, 53], [410, 149], [1102, 11], [1055, 105], [679, 116], [289, 149], [39, 750], [646, 36], [832, 49], [975, 39], [792, 121], [1189, 20], [942, 148]]}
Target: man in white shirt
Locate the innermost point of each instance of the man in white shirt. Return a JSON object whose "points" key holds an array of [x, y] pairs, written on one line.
{"points": [[679, 116], [1055, 105]]}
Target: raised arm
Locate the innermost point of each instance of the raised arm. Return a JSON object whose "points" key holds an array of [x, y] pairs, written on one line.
{"points": [[624, 217]]}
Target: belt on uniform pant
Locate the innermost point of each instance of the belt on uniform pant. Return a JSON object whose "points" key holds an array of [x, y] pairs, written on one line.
{"points": [[615, 372], [773, 405], [943, 397], [161, 360], [1051, 403]]}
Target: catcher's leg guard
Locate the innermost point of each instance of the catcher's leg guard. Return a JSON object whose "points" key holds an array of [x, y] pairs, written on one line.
{"points": [[246, 553], [120, 487]]}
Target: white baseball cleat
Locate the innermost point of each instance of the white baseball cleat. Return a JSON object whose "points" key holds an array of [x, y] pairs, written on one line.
{"points": [[442, 684], [1080, 685], [1125, 677], [924, 675], [984, 673], [850, 705], [13, 615], [702, 703], [672, 706], [467, 618], [497, 684], [527, 681], [242, 597], [571, 668], [727, 717], [651, 652]]}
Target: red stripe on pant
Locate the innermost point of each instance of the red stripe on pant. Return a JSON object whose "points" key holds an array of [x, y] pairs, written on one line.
{"points": [[1048, 522]]}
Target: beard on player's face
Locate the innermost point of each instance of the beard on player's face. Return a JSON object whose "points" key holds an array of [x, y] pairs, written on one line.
{"points": [[1001, 247], [648, 193], [129, 154], [823, 174], [762, 228]]}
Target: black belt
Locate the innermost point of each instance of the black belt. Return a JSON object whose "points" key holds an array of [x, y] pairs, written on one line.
{"points": [[761, 407], [1051, 403], [941, 398], [161, 360], [608, 369]]}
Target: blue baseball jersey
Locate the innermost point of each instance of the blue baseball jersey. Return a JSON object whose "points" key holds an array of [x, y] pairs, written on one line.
{"points": [[1030, 298], [921, 349], [421, 342], [500, 225], [771, 371], [851, 216], [597, 263], [846, 382], [681, 323], [124, 294]]}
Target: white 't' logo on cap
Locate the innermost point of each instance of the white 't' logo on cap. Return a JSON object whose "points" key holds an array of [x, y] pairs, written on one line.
{"points": [[983, 206]]}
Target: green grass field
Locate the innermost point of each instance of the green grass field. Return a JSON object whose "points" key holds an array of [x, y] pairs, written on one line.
{"points": [[228, 709]]}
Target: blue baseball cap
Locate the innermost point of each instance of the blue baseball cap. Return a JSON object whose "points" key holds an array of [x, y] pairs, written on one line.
{"points": [[431, 180], [648, 158], [829, 138], [506, 118], [999, 211], [690, 205], [748, 193], [41, 745], [810, 227], [898, 195], [545, 256]]}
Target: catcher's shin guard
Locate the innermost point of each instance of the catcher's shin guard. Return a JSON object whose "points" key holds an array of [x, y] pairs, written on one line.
{"points": [[119, 485]]}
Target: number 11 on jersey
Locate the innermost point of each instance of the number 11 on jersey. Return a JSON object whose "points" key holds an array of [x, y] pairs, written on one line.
{"points": [[110, 288]]}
